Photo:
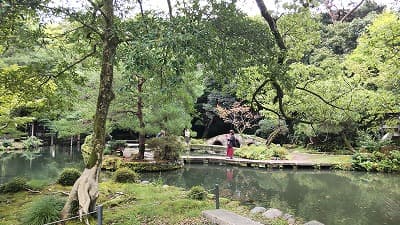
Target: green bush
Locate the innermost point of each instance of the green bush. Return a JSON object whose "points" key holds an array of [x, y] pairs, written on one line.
{"points": [[37, 184], [107, 151], [367, 142], [15, 185], [166, 148], [195, 141], [278, 152], [32, 143], [261, 152], [117, 144], [45, 210], [6, 143], [197, 193], [125, 175], [68, 176], [377, 161]]}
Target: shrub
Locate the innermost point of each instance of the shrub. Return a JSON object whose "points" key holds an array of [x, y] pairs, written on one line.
{"points": [[262, 152], [32, 143], [377, 161], [37, 184], [197, 193], [6, 143], [195, 141], [367, 142], [278, 151], [44, 210], [125, 175], [68, 176], [115, 145], [15, 185], [107, 151], [166, 148]]}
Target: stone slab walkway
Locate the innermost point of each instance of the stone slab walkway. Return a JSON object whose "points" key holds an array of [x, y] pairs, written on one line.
{"points": [[255, 163], [224, 217]]}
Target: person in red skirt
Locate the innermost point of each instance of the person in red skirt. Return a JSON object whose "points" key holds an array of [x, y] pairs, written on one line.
{"points": [[230, 143]]}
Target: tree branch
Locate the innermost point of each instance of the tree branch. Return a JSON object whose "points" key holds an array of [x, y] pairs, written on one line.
{"points": [[97, 8], [322, 99], [272, 24], [67, 12], [169, 8], [351, 11], [70, 66], [253, 98], [4, 126]]}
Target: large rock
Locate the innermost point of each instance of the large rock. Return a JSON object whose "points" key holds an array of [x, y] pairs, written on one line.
{"points": [[272, 213], [258, 210], [313, 222], [289, 218]]}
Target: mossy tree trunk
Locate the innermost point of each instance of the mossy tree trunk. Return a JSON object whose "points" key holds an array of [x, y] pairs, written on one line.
{"points": [[85, 189]]}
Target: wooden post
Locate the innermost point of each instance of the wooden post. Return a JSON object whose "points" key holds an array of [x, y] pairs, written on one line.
{"points": [[216, 196], [99, 215]]}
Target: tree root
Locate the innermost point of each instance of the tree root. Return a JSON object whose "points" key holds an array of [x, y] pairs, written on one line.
{"points": [[85, 192]]}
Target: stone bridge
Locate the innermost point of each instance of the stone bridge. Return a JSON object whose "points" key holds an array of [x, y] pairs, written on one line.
{"points": [[244, 140]]}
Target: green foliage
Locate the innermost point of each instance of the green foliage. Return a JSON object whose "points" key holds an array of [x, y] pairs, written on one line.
{"points": [[262, 152], [37, 184], [125, 175], [45, 210], [6, 143], [197, 193], [166, 148], [87, 148], [15, 185], [68, 176], [114, 145], [195, 141], [32, 143], [377, 161], [265, 127], [366, 142]]}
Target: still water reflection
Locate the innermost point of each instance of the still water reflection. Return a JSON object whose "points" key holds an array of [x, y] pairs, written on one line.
{"points": [[331, 197], [45, 164]]}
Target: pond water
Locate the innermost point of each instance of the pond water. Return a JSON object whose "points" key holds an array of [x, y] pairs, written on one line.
{"points": [[331, 197], [45, 164]]}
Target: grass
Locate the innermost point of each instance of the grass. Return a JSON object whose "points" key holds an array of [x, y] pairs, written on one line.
{"points": [[123, 204]]}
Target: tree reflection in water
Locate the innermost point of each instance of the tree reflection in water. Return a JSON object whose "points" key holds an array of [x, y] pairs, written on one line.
{"points": [[332, 197]]}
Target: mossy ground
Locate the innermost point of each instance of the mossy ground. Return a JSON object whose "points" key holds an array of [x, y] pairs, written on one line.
{"points": [[127, 203]]}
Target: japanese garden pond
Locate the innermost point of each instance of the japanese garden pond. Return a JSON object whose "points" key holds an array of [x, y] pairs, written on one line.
{"points": [[331, 197]]}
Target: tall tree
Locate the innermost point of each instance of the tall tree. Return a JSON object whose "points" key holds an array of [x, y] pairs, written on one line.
{"points": [[85, 189]]}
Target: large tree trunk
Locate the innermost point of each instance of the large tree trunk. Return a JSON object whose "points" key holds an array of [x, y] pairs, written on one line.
{"points": [[142, 134], [85, 189]]}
